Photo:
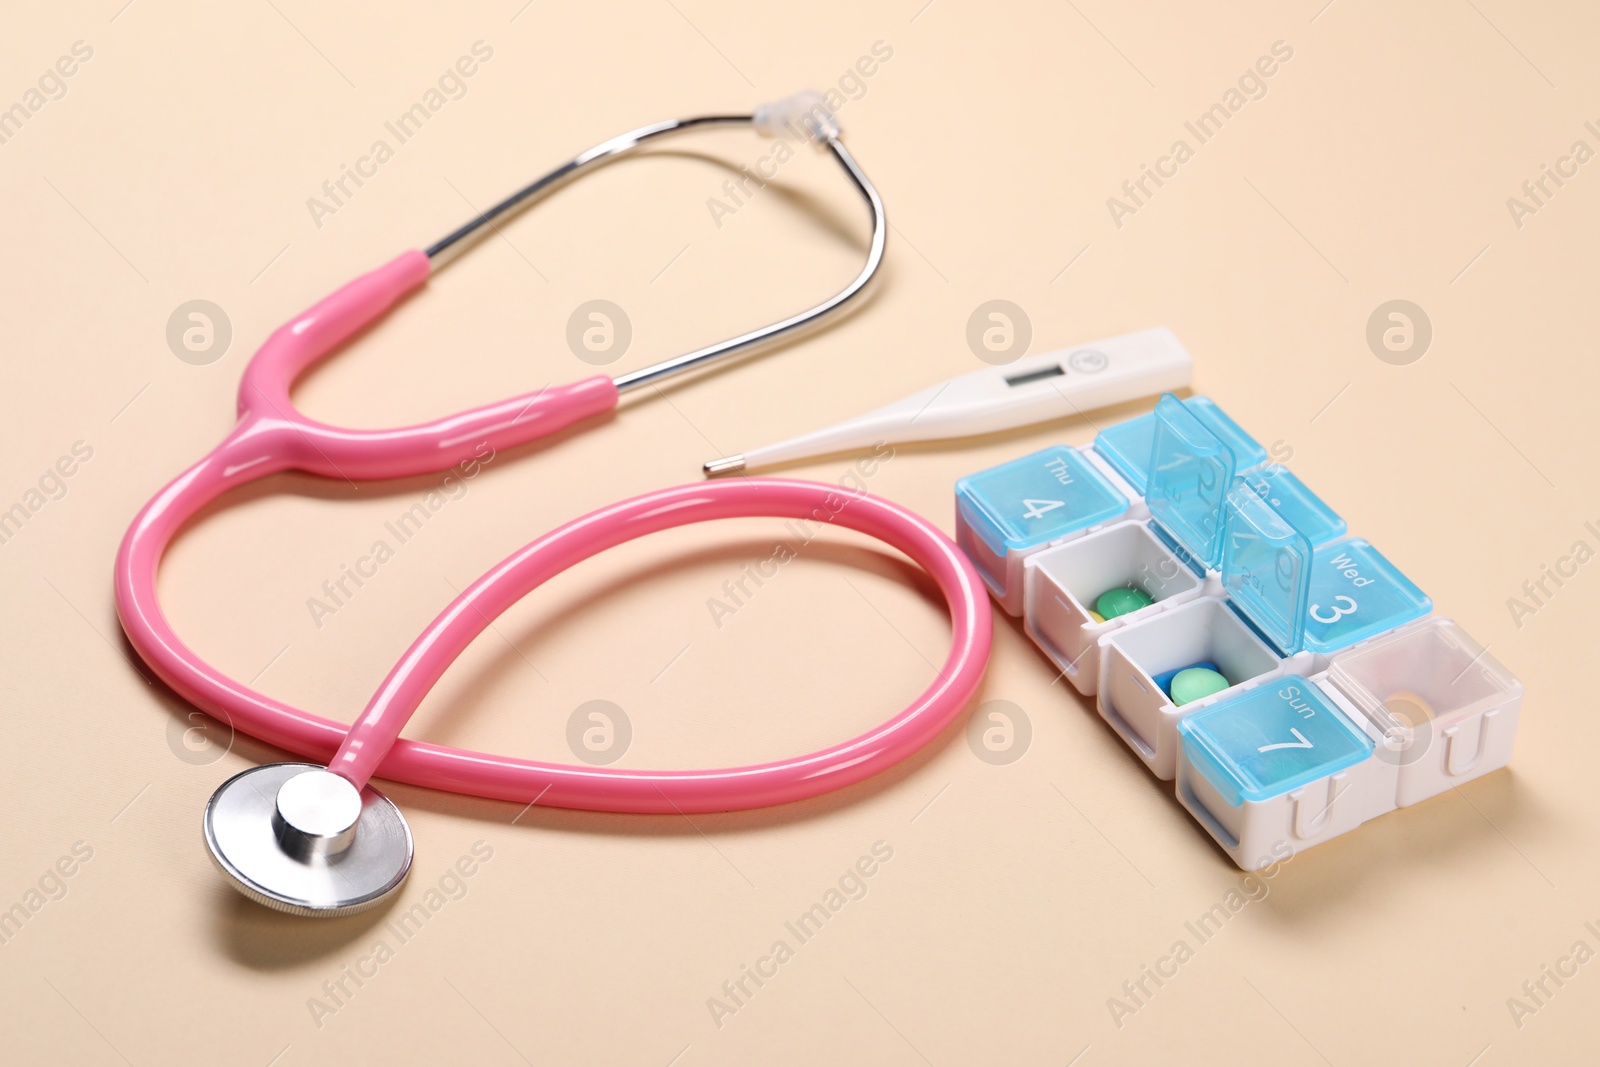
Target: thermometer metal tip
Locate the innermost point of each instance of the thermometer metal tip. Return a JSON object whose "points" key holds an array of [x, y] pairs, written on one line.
{"points": [[1069, 381], [725, 465]]}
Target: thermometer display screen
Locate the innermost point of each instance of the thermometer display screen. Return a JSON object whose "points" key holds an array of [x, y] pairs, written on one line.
{"points": [[1053, 371]]}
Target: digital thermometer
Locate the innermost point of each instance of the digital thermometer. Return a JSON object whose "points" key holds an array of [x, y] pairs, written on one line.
{"points": [[1068, 381]]}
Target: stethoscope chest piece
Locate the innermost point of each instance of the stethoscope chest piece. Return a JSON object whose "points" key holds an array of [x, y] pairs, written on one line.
{"points": [[301, 839]]}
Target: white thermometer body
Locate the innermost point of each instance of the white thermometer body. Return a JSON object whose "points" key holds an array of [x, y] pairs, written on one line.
{"points": [[1068, 381]]}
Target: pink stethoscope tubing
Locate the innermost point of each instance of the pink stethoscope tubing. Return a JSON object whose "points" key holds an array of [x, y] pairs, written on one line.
{"points": [[272, 436]]}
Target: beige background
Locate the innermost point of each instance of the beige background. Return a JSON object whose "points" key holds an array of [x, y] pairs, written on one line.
{"points": [[1019, 898]]}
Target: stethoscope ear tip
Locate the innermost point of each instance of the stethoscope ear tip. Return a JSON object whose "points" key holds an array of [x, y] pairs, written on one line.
{"points": [[300, 839]]}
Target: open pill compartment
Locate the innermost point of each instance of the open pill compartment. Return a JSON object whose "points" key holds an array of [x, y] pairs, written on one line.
{"points": [[1063, 583], [1138, 662]]}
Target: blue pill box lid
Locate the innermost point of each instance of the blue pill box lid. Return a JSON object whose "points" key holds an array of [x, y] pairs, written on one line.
{"points": [[1266, 567], [1042, 496], [1356, 593], [1282, 553], [1294, 500], [1300, 596], [1191, 472], [1270, 740], [1127, 445]]}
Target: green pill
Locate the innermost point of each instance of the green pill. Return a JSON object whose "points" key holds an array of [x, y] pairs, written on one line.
{"points": [[1194, 683], [1114, 602]]}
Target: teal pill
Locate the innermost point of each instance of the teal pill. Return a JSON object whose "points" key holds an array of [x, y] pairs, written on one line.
{"points": [[1194, 683], [1116, 602]]}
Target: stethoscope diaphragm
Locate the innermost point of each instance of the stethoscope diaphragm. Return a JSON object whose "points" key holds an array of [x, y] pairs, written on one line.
{"points": [[300, 839]]}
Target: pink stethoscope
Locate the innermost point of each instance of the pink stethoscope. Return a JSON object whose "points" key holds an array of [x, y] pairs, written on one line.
{"points": [[315, 838]]}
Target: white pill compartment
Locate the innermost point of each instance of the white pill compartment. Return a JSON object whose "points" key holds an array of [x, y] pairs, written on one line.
{"points": [[1064, 582], [1203, 631], [1449, 708], [1282, 767]]}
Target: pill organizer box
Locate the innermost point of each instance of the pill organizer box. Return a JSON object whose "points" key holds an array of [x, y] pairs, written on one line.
{"points": [[1344, 697]]}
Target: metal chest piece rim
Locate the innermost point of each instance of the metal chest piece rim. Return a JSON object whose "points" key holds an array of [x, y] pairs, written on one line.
{"points": [[300, 839]]}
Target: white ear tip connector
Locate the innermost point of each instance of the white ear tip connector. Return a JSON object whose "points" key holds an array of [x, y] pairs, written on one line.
{"points": [[806, 113]]}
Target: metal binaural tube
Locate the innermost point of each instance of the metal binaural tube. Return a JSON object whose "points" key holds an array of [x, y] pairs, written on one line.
{"points": [[595, 157], [795, 323], [607, 151]]}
